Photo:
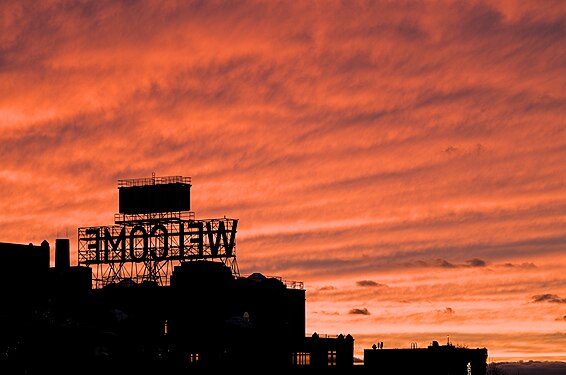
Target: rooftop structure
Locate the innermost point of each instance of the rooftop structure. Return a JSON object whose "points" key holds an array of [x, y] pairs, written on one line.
{"points": [[155, 194], [153, 232]]}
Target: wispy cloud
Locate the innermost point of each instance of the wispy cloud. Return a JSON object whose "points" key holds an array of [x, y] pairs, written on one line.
{"points": [[368, 283], [388, 154]]}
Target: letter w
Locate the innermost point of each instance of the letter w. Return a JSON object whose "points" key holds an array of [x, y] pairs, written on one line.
{"points": [[215, 242]]}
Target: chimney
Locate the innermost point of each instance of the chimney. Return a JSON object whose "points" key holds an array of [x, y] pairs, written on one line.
{"points": [[62, 253]]}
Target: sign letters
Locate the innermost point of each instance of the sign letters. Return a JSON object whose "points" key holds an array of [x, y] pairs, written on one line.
{"points": [[159, 241]]}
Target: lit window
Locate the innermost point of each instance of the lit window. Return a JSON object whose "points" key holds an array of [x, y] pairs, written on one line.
{"points": [[193, 358], [301, 359], [332, 358]]}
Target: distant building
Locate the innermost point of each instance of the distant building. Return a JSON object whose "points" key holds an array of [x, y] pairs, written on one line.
{"points": [[434, 360], [322, 351]]}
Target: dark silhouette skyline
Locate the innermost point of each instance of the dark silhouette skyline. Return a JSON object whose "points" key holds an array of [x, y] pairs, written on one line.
{"points": [[203, 317]]}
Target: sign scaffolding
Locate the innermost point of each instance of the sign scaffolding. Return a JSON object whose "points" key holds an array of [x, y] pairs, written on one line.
{"points": [[146, 246]]}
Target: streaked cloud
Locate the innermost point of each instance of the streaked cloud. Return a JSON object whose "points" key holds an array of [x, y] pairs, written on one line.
{"points": [[417, 146], [368, 283]]}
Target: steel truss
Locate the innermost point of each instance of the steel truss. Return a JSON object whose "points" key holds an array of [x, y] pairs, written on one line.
{"points": [[151, 258]]}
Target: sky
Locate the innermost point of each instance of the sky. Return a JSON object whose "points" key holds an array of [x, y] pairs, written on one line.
{"points": [[404, 159]]}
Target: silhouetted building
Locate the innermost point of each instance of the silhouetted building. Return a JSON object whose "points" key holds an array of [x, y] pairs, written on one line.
{"points": [[323, 351], [42, 316], [160, 291], [221, 321], [205, 319], [433, 360]]}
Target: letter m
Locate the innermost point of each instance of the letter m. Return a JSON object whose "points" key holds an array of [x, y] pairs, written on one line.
{"points": [[119, 244]]}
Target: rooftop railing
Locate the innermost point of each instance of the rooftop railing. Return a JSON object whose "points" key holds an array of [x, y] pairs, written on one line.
{"points": [[154, 181]]}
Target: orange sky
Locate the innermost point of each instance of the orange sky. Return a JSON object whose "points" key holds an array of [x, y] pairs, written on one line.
{"points": [[404, 159]]}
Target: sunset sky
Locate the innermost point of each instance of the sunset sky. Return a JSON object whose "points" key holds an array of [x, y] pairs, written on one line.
{"points": [[406, 160]]}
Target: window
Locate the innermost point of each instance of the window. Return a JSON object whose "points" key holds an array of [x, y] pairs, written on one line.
{"points": [[193, 358], [301, 359], [332, 358]]}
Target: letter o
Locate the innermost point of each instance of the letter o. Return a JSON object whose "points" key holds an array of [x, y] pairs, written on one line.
{"points": [[163, 230], [138, 228]]}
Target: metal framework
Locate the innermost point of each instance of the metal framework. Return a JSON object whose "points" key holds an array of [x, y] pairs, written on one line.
{"points": [[153, 257], [153, 180]]}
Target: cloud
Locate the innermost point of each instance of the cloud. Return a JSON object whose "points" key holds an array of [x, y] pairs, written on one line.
{"points": [[525, 265], [418, 144], [368, 283], [443, 263], [553, 298], [357, 311], [327, 313], [326, 288], [476, 262], [447, 312]]}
